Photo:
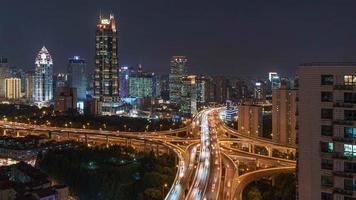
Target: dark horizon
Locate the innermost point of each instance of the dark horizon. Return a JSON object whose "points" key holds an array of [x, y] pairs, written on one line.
{"points": [[231, 38]]}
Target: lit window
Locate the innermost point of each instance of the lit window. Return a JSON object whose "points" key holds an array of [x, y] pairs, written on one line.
{"points": [[349, 150], [327, 147], [350, 132], [349, 80]]}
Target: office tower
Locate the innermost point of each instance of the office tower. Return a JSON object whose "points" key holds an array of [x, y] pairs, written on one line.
{"points": [[13, 88], [177, 71], [250, 119], [259, 91], [327, 131], [77, 76], [284, 107], [30, 85], [141, 85], [203, 89], [65, 99], [43, 78], [106, 85], [220, 89], [124, 81], [189, 95], [4, 73], [275, 80], [60, 80], [230, 112], [164, 86]]}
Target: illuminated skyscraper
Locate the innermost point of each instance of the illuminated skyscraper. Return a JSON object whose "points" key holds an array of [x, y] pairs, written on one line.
{"points": [[189, 95], [177, 72], [77, 76], [106, 85], [124, 81], [43, 77]]}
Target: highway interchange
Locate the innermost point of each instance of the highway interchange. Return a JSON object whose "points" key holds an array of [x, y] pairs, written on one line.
{"points": [[214, 161]]}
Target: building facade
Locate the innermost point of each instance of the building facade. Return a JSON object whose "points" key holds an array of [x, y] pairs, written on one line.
{"points": [[43, 92], [178, 69], [250, 119], [284, 107], [189, 95], [65, 99], [77, 76], [106, 86], [141, 85], [13, 88], [30, 86], [326, 131], [124, 76], [4, 73]]}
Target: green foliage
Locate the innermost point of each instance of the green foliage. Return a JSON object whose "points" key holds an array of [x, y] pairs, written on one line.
{"points": [[284, 188], [109, 173], [254, 194]]}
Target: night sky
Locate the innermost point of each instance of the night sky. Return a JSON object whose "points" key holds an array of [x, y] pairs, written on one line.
{"points": [[219, 37]]}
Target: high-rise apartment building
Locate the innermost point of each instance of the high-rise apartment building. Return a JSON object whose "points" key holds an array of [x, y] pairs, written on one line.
{"points": [[284, 107], [43, 92], [12, 88], [327, 131], [106, 86], [250, 119], [177, 71], [77, 76]]}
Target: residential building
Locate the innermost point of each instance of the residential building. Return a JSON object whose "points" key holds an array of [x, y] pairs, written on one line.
{"points": [[4, 73], [284, 107], [12, 88], [326, 131], [30, 86], [250, 119]]}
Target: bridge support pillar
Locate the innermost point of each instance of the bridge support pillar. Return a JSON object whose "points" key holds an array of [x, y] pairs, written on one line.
{"points": [[68, 136], [17, 133], [107, 141], [4, 132], [157, 150], [86, 138], [269, 149]]}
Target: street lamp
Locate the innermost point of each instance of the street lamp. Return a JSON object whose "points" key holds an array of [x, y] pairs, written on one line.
{"points": [[163, 187]]}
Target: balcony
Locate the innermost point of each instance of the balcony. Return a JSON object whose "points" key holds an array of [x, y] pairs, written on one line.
{"points": [[341, 156], [343, 122], [342, 191], [343, 87], [341, 104], [342, 174], [342, 139]]}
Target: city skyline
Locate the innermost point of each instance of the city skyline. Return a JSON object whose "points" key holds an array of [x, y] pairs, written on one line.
{"points": [[274, 45]]}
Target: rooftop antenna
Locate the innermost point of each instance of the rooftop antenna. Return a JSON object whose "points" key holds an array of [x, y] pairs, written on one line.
{"points": [[100, 13]]}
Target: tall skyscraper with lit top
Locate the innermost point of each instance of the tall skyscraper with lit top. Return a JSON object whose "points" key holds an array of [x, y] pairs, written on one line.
{"points": [[177, 72], [106, 86], [43, 92]]}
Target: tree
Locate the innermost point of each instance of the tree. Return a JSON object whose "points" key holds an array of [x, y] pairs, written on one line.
{"points": [[254, 194]]}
